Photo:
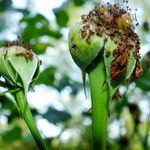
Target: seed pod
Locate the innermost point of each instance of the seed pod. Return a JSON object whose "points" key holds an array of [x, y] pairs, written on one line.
{"points": [[18, 66]]}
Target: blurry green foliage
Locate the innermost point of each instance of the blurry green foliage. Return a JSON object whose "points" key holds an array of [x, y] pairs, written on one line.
{"points": [[12, 134], [79, 2], [5, 4], [35, 28], [66, 81], [144, 81], [61, 17], [42, 33], [7, 103], [146, 26], [55, 116], [47, 76]]}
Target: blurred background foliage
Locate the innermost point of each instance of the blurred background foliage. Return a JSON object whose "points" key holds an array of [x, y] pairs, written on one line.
{"points": [[61, 110]]}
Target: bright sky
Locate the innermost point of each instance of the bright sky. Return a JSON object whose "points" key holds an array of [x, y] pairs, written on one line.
{"points": [[44, 7]]}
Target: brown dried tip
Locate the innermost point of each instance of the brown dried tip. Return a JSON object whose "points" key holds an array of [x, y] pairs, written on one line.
{"points": [[17, 43], [27, 55], [118, 24]]}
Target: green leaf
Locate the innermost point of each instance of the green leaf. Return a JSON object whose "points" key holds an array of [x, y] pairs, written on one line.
{"points": [[47, 76], [55, 116], [66, 81], [5, 4], [12, 134], [37, 18], [23, 11], [109, 47], [36, 74], [40, 48], [146, 26], [144, 81], [7, 103], [38, 26], [62, 17], [131, 63], [79, 2]]}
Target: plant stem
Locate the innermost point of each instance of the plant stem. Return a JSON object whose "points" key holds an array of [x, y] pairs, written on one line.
{"points": [[99, 93], [27, 116]]}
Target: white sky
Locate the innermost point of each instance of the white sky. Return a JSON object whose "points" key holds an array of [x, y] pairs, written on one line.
{"points": [[44, 7]]}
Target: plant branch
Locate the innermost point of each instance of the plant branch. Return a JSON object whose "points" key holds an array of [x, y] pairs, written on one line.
{"points": [[27, 116], [99, 93]]}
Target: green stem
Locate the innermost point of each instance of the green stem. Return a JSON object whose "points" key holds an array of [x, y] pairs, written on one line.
{"points": [[27, 116], [99, 93]]}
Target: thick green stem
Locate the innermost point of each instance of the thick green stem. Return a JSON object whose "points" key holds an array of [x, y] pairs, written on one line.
{"points": [[99, 93], [27, 116]]}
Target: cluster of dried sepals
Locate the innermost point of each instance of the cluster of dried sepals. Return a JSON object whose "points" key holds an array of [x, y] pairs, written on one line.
{"points": [[116, 23], [28, 54]]}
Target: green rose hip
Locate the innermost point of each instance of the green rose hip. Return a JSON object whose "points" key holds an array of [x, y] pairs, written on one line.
{"points": [[20, 68], [83, 50], [104, 45]]}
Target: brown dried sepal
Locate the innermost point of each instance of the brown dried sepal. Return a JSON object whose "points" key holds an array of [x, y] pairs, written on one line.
{"points": [[148, 59], [138, 70], [118, 65]]}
